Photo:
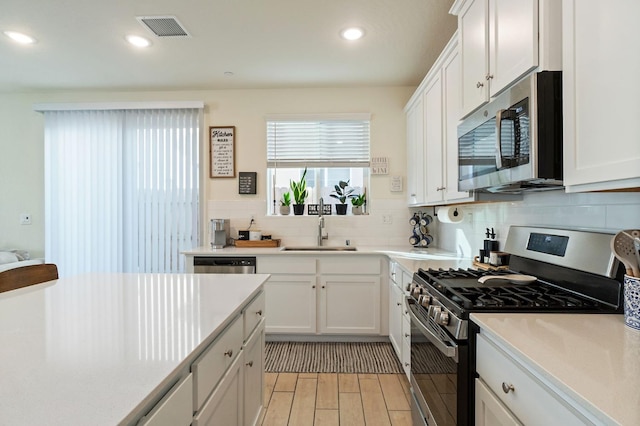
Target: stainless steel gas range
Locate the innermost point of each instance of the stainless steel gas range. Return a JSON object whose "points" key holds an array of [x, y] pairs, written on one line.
{"points": [[550, 270]]}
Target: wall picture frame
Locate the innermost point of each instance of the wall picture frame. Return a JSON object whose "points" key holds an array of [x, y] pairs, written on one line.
{"points": [[222, 152]]}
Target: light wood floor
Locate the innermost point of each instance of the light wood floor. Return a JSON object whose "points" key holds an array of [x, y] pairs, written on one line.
{"points": [[319, 399]]}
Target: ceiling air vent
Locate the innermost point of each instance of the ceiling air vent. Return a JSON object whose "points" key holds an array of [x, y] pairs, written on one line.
{"points": [[163, 26]]}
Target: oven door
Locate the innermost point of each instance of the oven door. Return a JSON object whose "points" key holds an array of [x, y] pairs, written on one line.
{"points": [[439, 395]]}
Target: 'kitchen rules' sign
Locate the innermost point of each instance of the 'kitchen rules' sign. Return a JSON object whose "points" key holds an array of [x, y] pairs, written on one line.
{"points": [[222, 151]]}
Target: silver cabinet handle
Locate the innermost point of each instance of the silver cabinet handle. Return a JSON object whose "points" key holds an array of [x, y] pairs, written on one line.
{"points": [[229, 353], [479, 85], [407, 335], [506, 388], [489, 76], [250, 364]]}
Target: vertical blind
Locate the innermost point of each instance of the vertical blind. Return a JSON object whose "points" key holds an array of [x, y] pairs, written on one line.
{"points": [[341, 141], [121, 189]]}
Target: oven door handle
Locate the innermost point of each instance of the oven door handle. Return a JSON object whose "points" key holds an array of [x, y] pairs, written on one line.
{"points": [[448, 351]]}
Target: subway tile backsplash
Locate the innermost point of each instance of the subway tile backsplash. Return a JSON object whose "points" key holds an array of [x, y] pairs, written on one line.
{"points": [[603, 212]]}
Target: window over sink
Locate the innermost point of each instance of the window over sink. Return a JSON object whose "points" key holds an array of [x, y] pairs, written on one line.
{"points": [[332, 147]]}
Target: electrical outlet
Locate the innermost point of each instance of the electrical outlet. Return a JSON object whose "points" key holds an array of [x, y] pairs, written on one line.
{"points": [[25, 219], [387, 219]]}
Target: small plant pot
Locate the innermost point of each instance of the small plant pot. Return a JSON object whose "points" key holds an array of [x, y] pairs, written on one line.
{"points": [[298, 209], [356, 210], [341, 209], [285, 210]]}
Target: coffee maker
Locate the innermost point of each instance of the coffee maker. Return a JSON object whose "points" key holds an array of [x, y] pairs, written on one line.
{"points": [[219, 230]]}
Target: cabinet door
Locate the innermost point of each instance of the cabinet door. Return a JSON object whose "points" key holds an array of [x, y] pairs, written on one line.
{"points": [[415, 154], [600, 94], [452, 107], [253, 376], [224, 407], [291, 303], [490, 411], [395, 318], [473, 25], [513, 41], [433, 139], [350, 304]]}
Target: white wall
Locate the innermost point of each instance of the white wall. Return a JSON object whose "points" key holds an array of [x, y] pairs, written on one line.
{"points": [[600, 212], [21, 159]]}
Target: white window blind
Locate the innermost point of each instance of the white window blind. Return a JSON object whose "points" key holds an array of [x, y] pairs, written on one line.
{"points": [[318, 142], [121, 189]]}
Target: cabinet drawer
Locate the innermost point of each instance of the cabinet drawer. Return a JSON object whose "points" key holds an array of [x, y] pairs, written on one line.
{"points": [[353, 265], [496, 368], [212, 364], [253, 314], [175, 408], [406, 330], [284, 264], [224, 407]]}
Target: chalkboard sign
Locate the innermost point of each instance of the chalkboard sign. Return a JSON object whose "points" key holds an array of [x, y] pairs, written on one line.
{"points": [[247, 183], [222, 151], [313, 209]]}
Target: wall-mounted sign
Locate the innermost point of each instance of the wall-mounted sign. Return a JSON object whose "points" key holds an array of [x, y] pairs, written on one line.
{"points": [[312, 209], [222, 151], [379, 165], [247, 182]]}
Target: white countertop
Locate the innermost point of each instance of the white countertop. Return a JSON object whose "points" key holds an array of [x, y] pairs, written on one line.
{"points": [[408, 257], [90, 349], [593, 358]]}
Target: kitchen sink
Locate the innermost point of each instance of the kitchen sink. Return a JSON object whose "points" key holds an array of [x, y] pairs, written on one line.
{"points": [[318, 248]]}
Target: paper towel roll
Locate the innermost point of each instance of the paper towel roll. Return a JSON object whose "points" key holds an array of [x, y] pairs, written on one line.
{"points": [[450, 214]]}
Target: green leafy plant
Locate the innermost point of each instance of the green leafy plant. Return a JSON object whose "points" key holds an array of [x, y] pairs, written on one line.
{"points": [[342, 192], [359, 200], [286, 199], [299, 188]]}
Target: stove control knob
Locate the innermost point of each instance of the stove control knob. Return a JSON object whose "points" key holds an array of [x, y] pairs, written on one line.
{"points": [[434, 312], [417, 291], [425, 300], [443, 319]]}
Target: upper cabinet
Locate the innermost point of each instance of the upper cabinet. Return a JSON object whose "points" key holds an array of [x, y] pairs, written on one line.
{"points": [[415, 151], [601, 41], [502, 40]]}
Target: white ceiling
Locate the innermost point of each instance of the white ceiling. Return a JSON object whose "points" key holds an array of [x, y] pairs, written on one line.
{"points": [[265, 43]]}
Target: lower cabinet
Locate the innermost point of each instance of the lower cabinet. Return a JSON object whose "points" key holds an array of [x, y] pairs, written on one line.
{"points": [[399, 322], [253, 376], [325, 294], [224, 406], [508, 393]]}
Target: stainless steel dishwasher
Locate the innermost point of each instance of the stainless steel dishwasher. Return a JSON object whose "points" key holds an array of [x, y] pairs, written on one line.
{"points": [[224, 265]]}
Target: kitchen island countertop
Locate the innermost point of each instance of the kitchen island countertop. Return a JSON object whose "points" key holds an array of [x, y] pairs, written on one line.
{"points": [[593, 359], [93, 349]]}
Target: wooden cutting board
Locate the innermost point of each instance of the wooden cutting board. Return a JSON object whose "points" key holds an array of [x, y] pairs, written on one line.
{"points": [[258, 243]]}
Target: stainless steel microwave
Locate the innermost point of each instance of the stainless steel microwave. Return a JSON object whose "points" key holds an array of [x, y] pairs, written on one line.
{"points": [[514, 143]]}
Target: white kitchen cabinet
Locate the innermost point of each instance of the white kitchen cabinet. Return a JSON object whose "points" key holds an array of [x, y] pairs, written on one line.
{"points": [[601, 65], [501, 41], [517, 390], [433, 113], [253, 379], [291, 300], [415, 152], [489, 411], [224, 407], [396, 297], [350, 304], [330, 295], [175, 408]]}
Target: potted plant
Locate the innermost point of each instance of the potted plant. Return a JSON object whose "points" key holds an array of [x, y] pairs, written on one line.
{"points": [[300, 193], [357, 202], [285, 204], [341, 193]]}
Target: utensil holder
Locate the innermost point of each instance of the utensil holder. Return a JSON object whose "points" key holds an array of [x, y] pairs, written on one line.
{"points": [[632, 301]]}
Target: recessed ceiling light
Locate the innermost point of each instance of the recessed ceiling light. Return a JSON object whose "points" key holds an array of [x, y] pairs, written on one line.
{"points": [[138, 41], [353, 33], [228, 74], [19, 37]]}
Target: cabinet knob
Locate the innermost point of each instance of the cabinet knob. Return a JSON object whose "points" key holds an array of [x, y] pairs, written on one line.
{"points": [[313, 286], [413, 195], [479, 85], [406, 364], [407, 335], [398, 303], [506, 388], [259, 312], [250, 364], [229, 353], [489, 76], [322, 286]]}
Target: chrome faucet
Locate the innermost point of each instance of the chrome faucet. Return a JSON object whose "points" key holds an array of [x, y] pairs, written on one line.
{"points": [[321, 223]]}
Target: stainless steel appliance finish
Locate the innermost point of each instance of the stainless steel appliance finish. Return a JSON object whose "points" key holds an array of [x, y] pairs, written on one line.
{"points": [[219, 232], [576, 273], [224, 265], [514, 143]]}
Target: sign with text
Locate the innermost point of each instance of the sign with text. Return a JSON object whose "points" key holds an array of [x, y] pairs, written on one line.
{"points": [[247, 182], [222, 151]]}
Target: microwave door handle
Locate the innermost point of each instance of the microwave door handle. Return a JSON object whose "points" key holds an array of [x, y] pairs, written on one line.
{"points": [[499, 138]]}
